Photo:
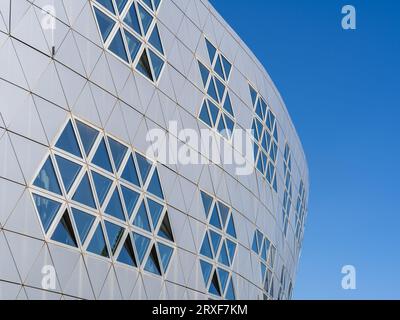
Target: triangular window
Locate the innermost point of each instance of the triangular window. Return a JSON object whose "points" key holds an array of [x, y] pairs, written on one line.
{"points": [[141, 244], [64, 232], [47, 179], [69, 171], [98, 244], [146, 18], [68, 142], [144, 167], [156, 210], [214, 286], [127, 255], [47, 210], [114, 207], [106, 24], [130, 173], [101, 158], [131, 19], [118, 152], [206, 269], [83, 222], [114, 234], [166, 230], [84, 193], [153, 265], [155, 186], [155, 40], [157, 64], [215, 240], [211, 51], [231, 228], [102, 185], [117, 46], [206, 248], [131, 198], [88, 136], [207, 202], [142, 220], [165, 255], [133, 44]]}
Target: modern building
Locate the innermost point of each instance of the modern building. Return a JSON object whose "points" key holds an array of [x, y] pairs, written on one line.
{"points": [[86, 212]]}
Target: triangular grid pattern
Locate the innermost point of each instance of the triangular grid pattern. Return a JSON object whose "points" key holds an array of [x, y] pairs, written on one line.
{"points": [[129, 31], [217, 111], [97, 194], [265, 136], [266, 253], [288, 194], [218, 248]]}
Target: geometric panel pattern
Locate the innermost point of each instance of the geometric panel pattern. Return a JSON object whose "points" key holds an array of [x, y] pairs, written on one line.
{"points": [[287, 196], [218, 248], [97, 194], [300, 211], [266, 253], [217, 111], [265, 135], [129, 31]]}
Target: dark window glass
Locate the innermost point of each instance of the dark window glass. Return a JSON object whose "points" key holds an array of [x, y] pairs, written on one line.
{"points": [[227, 68], [88, 136], [211, 51], [145, 17], [98, 244], [231, 249], [69, 171], [155, 186], [230, 293], [101, 158], [64, 232], [165, 255], [204, 73], [215, 219], [114, 234], [142, 220], [149, 4], [133, 44], [141, 244], [215, 240], [121, 5], [130, 197], [224, 212], [84, 193], [166, 229], [218, 68], [204, 116], [206, 248], [153, 265], [207, 202], [214, 111], [155, 211], [117, 46], [106, 24], [212, 91], [143, 66], [68, 142], [253, 94], [214, 286], [206, 269], [223, 256], [102, 185], [83, 222], [130, 173], [47, 210], [107, 4], [156, 3], [231, 228], [132, 20], [228, 105], [223, 278], [221, 89], [155, 40], [47, 179], [157, 63], [144, 167], [114, 207], [126, 254], [118, 152]]}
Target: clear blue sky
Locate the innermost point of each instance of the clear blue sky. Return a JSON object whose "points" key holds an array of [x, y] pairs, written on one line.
{"points": [[342, 89]]}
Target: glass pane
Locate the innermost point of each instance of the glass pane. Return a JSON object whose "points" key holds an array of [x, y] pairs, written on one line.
{"points": [[214, 111], [230, 293], [155, 211], [155, 186], [224, 212], [153, 265], [84, 193], [143, 66], [231, 249], [145, 17], [101, 158], [130, 173], [215, 241], [83, 222], [218, 68], [230, 126], [114, 207], [231, 228], [144, 166], [121, 5], [214, 286], [227, 68], [133, 44], [254, 247], [221, 126], [149, 4], [207, 202], [165, 255], [130, 197], [141, 243], [117, 46], [106, 24], [166, 229], [156, 3], [132, 20], [211, 50], [253, 94], [142, 220], [157, 63], [223, 278], [204, 73], [107, 4], [88, 136], [69, 171], [223, 257], [228, 105], [221, 89], [155, 40], [215, 219], [64, 232], [102, 185], [68, 142], [211, 90], [47, 210], [47, 179], [206, 269], [118, 152], [206, 248], [204, 116], [114, 234], [98, 244], [126, 254]]}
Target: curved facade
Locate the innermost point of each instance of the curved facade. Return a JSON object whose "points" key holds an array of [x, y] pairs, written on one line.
{"points": [[87, 212]]}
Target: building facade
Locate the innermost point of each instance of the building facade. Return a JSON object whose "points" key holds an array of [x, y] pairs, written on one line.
{"points": [[87, 212]]}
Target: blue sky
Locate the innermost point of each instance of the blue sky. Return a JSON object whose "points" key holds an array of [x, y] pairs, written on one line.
{"points": [[342, 90]]}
